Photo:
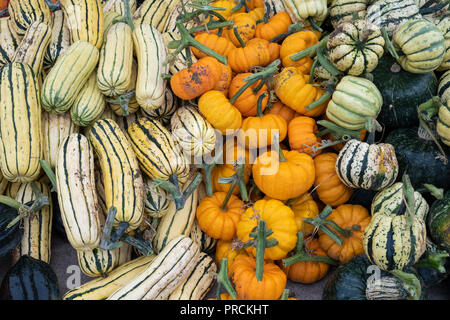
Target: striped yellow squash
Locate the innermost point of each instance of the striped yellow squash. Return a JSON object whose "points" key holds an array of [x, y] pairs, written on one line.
{"points": [[68, 76], [20, 123], [85, 20], [89, 104], [166, 272], [150, 51], [125, 122], [98, 262], [443, 123], [109, 19], [133, 105], [194, 134], [101, 288], [9, 41], [60, 40], [107, 114], [180, 62], [164, 113], [24, 13], [206, 243], [198, 283], [119, 6], [116, 60], [12, 188], [77, 197], [33, 46], [156, 150], [156, 203], [175, 223], [3, 184], [155, 13], [55, 128], [122, 178], [443, 24], [37, 228]]}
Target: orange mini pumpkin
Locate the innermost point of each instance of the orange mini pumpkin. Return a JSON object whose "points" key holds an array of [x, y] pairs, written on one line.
{"points": [[304, 207], [257, 14], [226, 249], [243, 275], [275, 26], [284, 111], [301, 132], [227, 5], [221, 45], [224, 81], [329, 187], [294, 43], [352, 221], [246, 102], [245, 25], [257, 52]]}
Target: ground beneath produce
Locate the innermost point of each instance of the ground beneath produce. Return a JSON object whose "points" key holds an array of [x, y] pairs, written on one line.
{"points": [[64, 256]]}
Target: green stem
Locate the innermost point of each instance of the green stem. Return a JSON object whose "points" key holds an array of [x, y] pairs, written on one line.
{"points": [[309, 51], [223, 280], [123, 226], [321, 223], [408, 192], [10, 202], [429, 109], [388, 43], [211, 26], [313, 69], [259, 105], [260, 249], [293, 28], [207, 170], [238, 36], [127, 17], [435, 261], [285, 294], [239, 5], [438, 193], [50, 174], [337, 131], [238, 177], [410, 282], [105, 240], [315, 25], [319, 101], [143, 246], [4, 12], [276, 142], [324, 62], [440, 6]]}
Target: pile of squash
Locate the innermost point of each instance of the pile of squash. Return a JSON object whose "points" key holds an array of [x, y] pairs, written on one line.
{"points": [[179, 145]]}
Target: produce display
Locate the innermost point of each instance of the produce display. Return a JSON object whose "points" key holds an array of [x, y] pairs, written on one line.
{"points": [[181, 145]]}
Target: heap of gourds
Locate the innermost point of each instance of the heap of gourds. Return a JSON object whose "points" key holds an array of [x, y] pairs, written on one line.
{"points": [[183, 144]]}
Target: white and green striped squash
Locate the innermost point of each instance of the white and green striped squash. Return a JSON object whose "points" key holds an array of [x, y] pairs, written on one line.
{"points": [[444, 87], [98, 262], [68, 76], [89, 103], [156, 203], [301, 10], [353, 101], [118, 6], [386, 288], [20, 123], [9, 41], [3, 184], [344, 10], [77, 196], [164, 113], [206, 243], [194, 134], [180, 61], [420, 46], [165, 273], [11, 189], [24, 13], [155, 13], [59, 41], [37, 228], [443, 123], [443, 24], [367, 166], [133, 105], [355, 47], [199, 282]]}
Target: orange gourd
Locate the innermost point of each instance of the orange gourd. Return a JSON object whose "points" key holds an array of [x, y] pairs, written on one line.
{"points": [[282, 174], [257, 14], [275, 26], [304, 207], [246, 102], [243, 275], [219, 215], [252, 4], [228, 5], [221, 45], [227, 170], [301, 132], [292, 88], [329, 187], [245, 25], [294, 43], [202, 76], [224, 81], [353, 220], [226, 249], [279, 218], [257, 52], [282, 110], [218, 110]]}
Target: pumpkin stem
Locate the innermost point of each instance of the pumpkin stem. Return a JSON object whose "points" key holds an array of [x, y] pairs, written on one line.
{"points": [[239, 5], [309, 51], [49, 172], [324, 62], [301, 255], [261, 242], [319, 101], [337, 131], [408, 194], [123, 226], [410, 282], [321, 223], [388, 43], [434, 258], [52, 6], [438, 193], [285, 294], [223, 280], [293, 28], [124, 101], [208, 168], [262, 76], [105, 240], [424, 125], [372, 126], [172, 186], [313, 69], [211, 26], [267, 12], [276, 142], [315, 25], [236, 179], [127, 17], [143, 246], [259, 105], [429, 109], [238, 36], [224, 206]]}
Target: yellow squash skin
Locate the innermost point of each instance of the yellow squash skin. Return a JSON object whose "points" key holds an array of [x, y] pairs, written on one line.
{"points": [[24, 13], [85, 20], [122, 178], [118, 6], [37, 228], [9, 41], [151, 51], [154, 13], [60, 39], [20, 123]]}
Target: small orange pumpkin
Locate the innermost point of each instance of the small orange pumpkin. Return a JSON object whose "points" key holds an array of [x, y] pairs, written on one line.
{"points": [[294, 43], [224, 81], [304, 207], [284, 111], [301, 132], [329, 187], [226, 249], [246, 102], [221, 45], [245, 25], [276, 25], [227, 5], [257, 52]]}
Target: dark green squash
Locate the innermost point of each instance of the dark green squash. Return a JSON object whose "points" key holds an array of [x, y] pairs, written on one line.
{"points": [[438, 222], [402, 93], [9, 237], [434, 265], [30, 279], [349, 281], [57, 223], [420, 158]]}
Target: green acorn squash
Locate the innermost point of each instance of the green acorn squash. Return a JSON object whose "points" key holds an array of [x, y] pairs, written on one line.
{"points": [[420, 158], [402, 93], [434, 265], [9, 237], [30, 279], [438, 222]]}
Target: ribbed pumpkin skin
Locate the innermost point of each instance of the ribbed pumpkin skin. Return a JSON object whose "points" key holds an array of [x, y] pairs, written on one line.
{"points": [[116, 60], [343, 10], [158, 154], [98, 262], [294, 43], [304, 207], [221, 45], [164, 113], [77, 197], [68, 76], [122, 178], [438, 222], [9, 41], [89, 103], [33, 46], [360, 165], [353, 49], [205, 242], [156, 202], [276, 25], [353, 101], [300, 10], [30, 279], [24, 13], [37, 236], [85, 20], [20, 123], [60, 39], [150, 51], [421, 45], [392, 13], [443, 123]]}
